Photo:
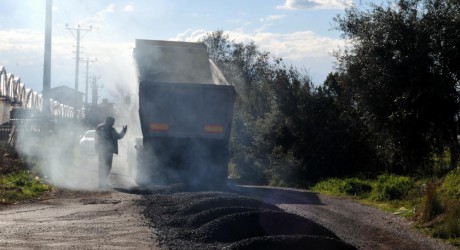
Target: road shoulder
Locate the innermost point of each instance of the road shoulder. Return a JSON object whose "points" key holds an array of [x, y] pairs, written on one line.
{"points": [[76, 219]]}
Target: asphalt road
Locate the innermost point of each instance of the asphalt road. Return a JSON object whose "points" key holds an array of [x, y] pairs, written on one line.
{"points": [[362, 226]]}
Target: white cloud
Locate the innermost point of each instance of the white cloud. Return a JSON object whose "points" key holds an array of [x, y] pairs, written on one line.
{"points": [[98, 20], [293, 46], [110, 8], [303, 49], [268, 22], [30, 40], [21, 53], [128, 8], [272, 18], [314, 4], [238, 21], [190, 35]]}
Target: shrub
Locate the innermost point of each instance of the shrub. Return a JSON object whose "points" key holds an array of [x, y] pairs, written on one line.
{"points": [[355, 186], [450, 187], [330, 186], [20, 186], [449, 198], [391, 187], [431, 206], [451, 226], [284, 169], [349, 186]]}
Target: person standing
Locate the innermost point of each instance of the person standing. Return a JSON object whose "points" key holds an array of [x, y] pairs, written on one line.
{"points": [[107, 145]]}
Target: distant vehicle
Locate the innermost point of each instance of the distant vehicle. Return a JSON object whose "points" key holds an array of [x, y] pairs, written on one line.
{"points": [[87, 142]]}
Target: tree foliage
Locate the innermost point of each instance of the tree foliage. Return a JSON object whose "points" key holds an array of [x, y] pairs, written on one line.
{"points": [[391, 106], [401, 77], [285, 131]]}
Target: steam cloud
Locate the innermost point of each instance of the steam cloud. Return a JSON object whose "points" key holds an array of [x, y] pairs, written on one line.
{"points": [[53, 147]]}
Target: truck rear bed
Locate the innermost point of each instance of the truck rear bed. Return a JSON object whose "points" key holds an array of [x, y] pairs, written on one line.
{"points": [[186, 110]]}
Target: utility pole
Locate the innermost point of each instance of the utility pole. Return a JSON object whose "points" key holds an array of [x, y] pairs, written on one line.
{"points": [[47, 60], [94, 92], [77, 57], [87, 79], [47, 56]]}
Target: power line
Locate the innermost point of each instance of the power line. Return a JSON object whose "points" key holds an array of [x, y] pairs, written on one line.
{"points": [[69, 12], [95, 87], [87, 78], [77, 36]]}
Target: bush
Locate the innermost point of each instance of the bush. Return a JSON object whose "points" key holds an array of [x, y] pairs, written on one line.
{"points": [[249, 169], [284, 169], [356, 187], [329, 186], [20, 186], [431, 206], [391, 187], [450, 187], [451, 226], [448, 199], [349, 186]]}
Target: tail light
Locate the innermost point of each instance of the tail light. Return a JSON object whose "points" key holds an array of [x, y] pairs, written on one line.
{"points": [[160, 127], [214, 129]]}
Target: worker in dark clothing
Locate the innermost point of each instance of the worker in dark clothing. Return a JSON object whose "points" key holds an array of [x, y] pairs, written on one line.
{"points": [[107, 145]]}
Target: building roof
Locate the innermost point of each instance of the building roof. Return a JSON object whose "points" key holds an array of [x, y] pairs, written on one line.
{"points": [[64, 88]]}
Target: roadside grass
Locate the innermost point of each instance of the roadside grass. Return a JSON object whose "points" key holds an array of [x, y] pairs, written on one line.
{"points": [[17, 182], [433, 204]]}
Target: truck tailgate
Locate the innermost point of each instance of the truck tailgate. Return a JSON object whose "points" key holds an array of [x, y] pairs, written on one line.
{"points": [[186, 110]]}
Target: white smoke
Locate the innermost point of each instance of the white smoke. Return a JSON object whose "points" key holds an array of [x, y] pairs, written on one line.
{"points": [[53, 147]]}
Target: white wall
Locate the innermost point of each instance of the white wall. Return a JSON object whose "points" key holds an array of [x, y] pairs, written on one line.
{"points": [[5, 109]]}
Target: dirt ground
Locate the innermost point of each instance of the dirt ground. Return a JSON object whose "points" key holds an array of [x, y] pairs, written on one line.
{"points": [[76, 220], [89, 218]]}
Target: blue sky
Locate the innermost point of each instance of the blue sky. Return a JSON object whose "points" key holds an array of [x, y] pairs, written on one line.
{"points": [[299, 31]]}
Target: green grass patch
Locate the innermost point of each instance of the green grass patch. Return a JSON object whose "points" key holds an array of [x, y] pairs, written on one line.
{"points": [[450, 187], [449, 227], [20, 186], [350, 186], [381, 192], [433, 204], [390, 187], [328, 186], [441, 209]]}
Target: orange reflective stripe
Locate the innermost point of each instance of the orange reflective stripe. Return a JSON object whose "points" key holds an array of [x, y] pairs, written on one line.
{"points": [[214, 129], [159, 126]]}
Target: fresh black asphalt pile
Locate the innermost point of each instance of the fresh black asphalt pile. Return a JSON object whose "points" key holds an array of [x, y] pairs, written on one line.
{"points": [[192, 218]]}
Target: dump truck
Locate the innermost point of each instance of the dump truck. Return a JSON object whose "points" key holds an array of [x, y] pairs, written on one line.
{"points": [[185, 115]]}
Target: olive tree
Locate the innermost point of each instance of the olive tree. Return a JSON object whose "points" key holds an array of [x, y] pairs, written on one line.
{"points": [[401, 75]]}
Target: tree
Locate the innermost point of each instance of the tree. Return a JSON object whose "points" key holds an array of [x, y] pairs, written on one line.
{"points": [[264, 87], [401, 76], [285, 132]]}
